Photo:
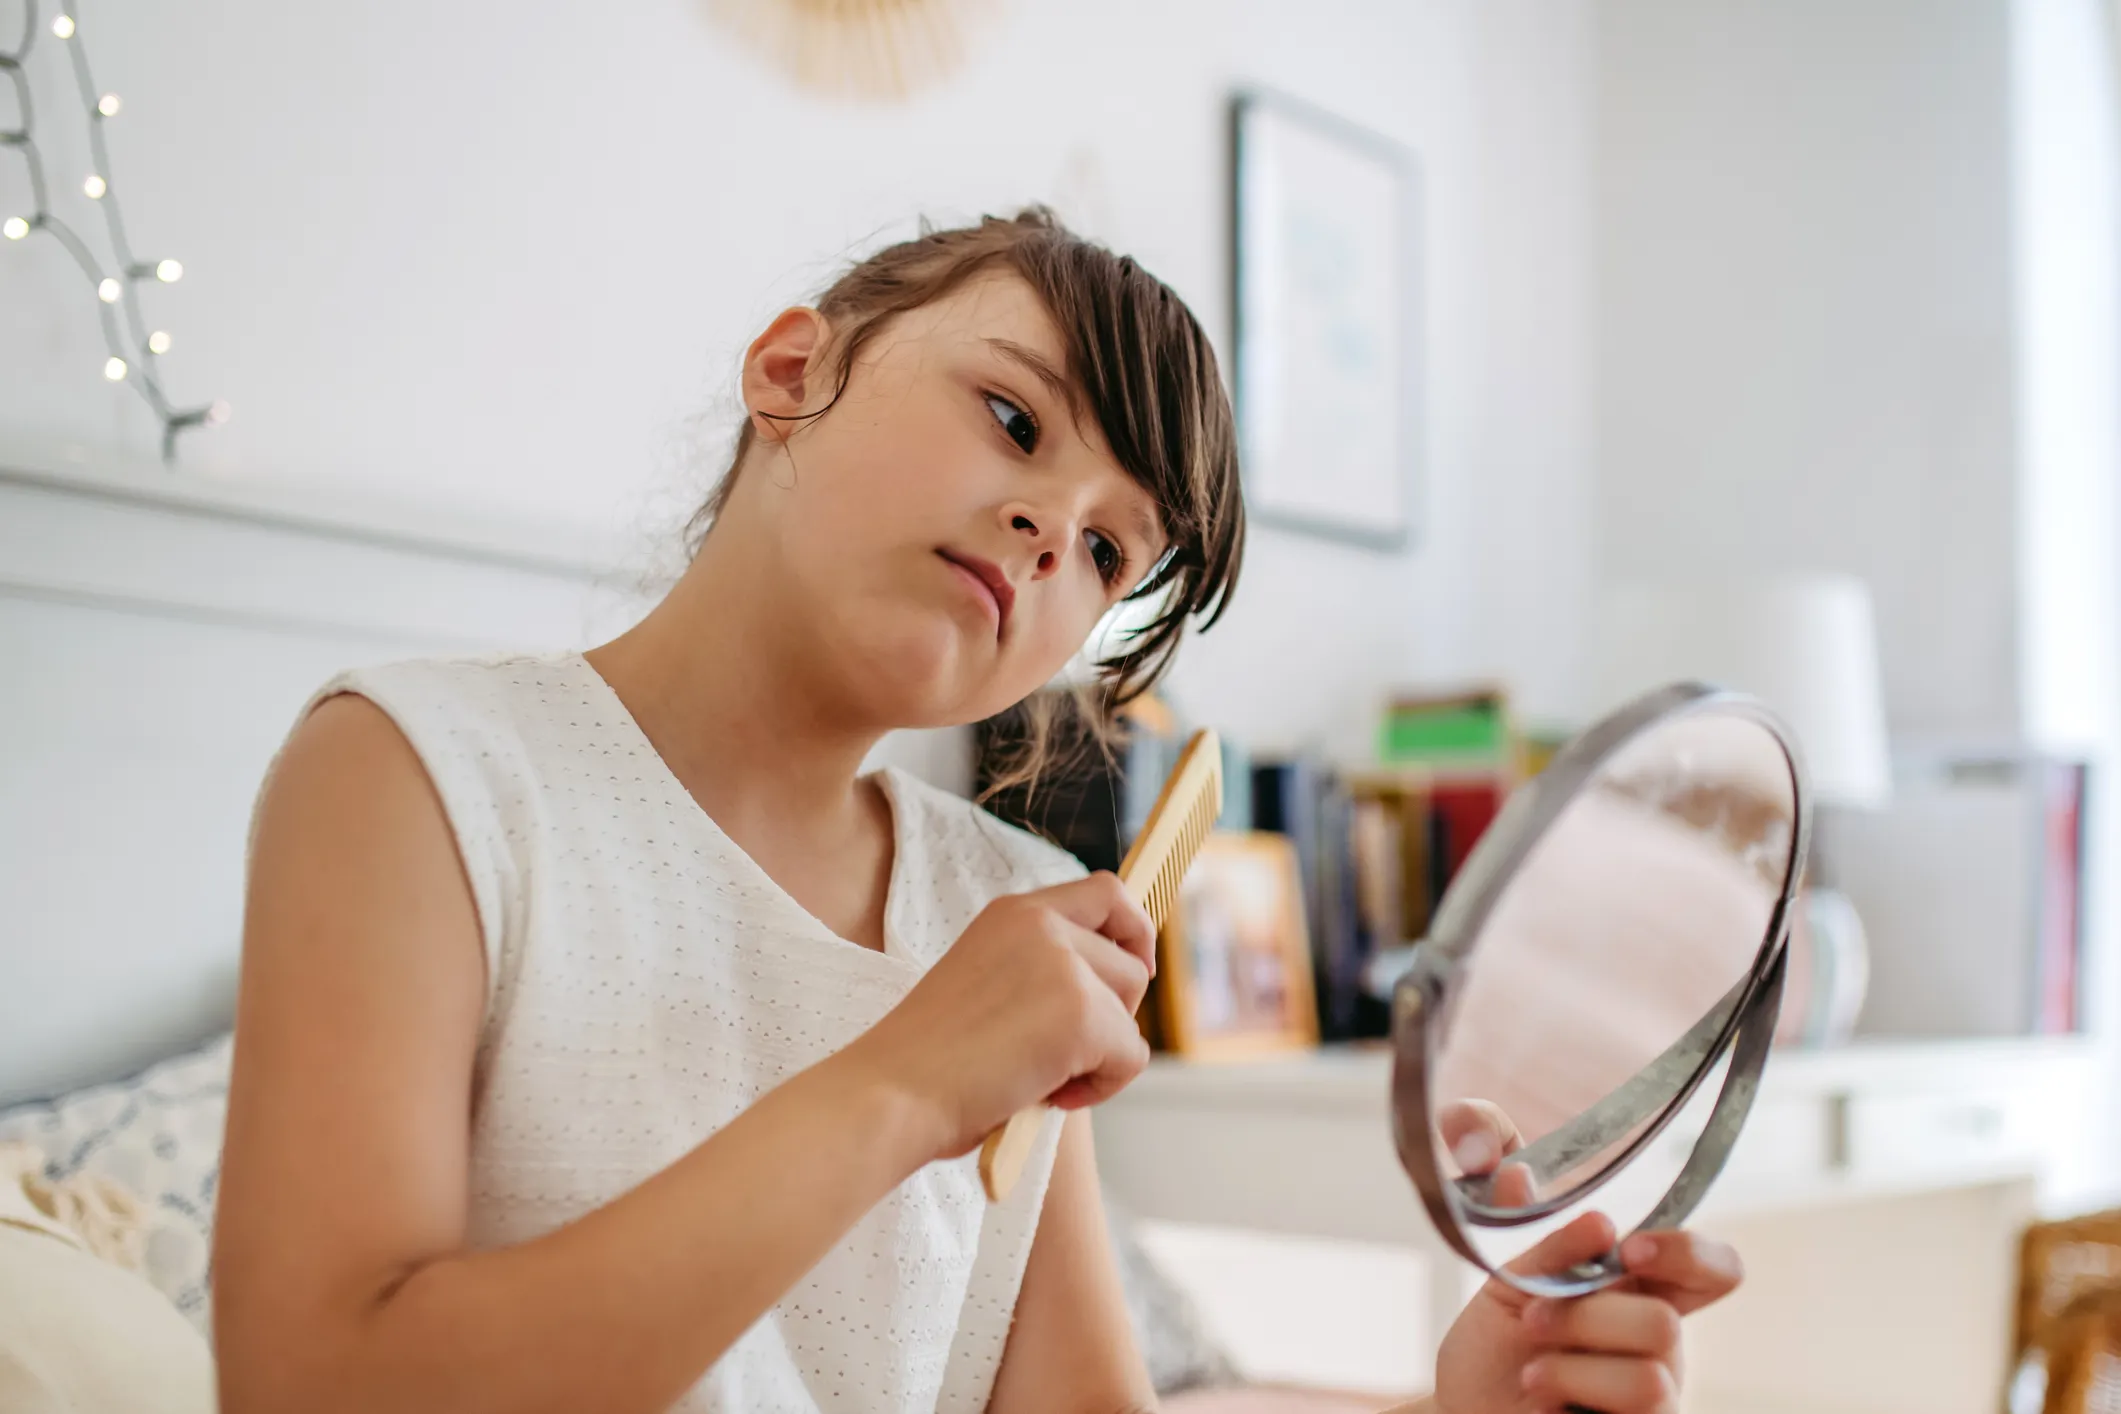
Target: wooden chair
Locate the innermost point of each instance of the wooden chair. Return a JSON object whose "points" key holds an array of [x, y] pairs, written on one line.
{"points": [[2068, 1318], [2084, 1356]]}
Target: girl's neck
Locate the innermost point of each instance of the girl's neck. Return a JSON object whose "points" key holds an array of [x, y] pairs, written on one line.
{"points": [[732, 711]]}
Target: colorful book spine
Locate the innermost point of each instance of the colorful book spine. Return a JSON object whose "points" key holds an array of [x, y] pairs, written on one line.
{"points": [[1465, 809], [2059, 983], [1464, 728], [1310, 805]]}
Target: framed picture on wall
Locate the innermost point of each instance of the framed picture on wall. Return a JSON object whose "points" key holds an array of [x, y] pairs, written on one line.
{"points": [[1326, 260]]}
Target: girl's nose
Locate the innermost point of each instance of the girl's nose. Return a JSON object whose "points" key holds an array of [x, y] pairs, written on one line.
{"points": [[1047, 560]]}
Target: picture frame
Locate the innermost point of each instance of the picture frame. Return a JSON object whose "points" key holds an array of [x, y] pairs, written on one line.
{"points": [[1326, 266], [1234, 959]]}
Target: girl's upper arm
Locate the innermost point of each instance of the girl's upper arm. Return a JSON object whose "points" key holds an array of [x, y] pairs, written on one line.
{"points": [[1072, 1350], [362, 991]]}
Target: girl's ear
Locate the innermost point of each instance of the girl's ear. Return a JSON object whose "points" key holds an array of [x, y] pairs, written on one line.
{"points": [[785, 373]]}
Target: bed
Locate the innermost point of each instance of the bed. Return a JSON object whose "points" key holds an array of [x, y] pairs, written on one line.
{"points": [[159, 634]]}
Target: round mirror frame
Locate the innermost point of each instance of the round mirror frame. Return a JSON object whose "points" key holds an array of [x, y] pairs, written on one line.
{"points": [[1744, 1023]]}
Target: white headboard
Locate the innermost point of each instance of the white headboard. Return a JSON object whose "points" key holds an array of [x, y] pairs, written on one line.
{"points": [[157, 636], [158, 633]]}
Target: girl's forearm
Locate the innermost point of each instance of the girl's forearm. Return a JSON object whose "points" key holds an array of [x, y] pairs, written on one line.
{"points": [[624, 1308]]}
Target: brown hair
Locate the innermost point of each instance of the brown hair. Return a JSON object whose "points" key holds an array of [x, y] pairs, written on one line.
{"points": [[1142, 367]]}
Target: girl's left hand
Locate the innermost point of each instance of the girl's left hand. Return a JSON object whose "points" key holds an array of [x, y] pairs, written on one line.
{"points": [[1616, 1351]]}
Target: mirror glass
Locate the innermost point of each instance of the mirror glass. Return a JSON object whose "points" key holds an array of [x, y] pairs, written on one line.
{"points": [[1596, 986]]}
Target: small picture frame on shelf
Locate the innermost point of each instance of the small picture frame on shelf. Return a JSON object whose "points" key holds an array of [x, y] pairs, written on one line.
{"points": [[1234, 960], [1327, 272]]}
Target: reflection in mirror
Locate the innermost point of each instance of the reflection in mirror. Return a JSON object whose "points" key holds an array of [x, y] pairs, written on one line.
{"points": [[1606, 973]]}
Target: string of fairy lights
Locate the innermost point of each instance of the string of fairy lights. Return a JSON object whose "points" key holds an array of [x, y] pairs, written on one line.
{"points": [[133, 347]]}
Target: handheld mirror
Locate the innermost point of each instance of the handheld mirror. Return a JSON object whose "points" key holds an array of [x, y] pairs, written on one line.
{"points": [[1585, 1026]]}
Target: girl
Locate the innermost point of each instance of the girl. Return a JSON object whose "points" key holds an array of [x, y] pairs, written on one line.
{"points": [[606, 1042]]}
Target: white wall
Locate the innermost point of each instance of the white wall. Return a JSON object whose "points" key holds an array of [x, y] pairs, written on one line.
{"points": [[1857, 309], [1805, 337], [505, 255], [2066, 239]]}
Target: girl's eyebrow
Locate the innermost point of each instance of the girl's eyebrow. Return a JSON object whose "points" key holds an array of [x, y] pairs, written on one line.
{"points": [[1040, 367], [1150, 530]]}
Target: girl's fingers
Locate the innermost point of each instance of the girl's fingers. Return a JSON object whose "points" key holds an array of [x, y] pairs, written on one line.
{"points": [[1126, 1055], [1608, 1323], [1683, 1268], [1588, 1237], [1513, 1187], [1611, 1384], [1478, 1134], [1121, 971], [1101, 904]]}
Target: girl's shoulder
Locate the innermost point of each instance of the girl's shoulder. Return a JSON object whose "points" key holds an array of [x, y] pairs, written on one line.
{"points": [[521, 709], [493, 677]]}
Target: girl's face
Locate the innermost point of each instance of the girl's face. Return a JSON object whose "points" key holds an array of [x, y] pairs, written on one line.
{"points": [[948, 535]]}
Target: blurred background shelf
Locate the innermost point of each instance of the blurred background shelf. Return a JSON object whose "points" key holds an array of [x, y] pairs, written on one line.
{"points": [[1925, 1157]]}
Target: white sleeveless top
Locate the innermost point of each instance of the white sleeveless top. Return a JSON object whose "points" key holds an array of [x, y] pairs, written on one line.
{"points": [[647, 982]]}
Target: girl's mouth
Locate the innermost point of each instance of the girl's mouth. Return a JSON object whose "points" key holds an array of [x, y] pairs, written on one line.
{"points": [[985, 578]]}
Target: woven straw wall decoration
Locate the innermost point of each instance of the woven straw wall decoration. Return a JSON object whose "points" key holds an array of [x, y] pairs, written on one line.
{"points": [[875, 50]]}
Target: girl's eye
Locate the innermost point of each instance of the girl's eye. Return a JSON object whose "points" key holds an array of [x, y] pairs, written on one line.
{"points": [[1021, 426], [1107, 556]]}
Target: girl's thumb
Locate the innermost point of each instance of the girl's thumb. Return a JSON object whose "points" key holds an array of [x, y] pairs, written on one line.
{"points": [[1587, 1238]]}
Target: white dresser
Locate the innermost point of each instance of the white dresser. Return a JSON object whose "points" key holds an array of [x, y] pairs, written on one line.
{"points": [[1876, 1195]]}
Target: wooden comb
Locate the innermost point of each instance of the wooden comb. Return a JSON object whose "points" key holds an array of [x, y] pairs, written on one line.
{"points": [[1184, 813]]}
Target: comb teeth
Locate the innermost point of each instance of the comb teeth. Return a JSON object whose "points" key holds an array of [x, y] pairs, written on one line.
{"points": [[1161, 897]]}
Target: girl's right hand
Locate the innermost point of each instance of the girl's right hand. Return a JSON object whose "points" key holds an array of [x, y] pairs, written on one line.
{"points": [[1034, 1003]]}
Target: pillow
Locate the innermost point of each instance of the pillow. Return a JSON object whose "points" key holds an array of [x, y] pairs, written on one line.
{"points": [[80, 1333], [1174, 1343], [157, 1134]]}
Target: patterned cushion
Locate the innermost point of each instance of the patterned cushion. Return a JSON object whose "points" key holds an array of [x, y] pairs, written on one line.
{"points": [[158, 1134], [1177, 1348]]}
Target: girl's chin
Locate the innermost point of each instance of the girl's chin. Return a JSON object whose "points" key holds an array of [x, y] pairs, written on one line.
{"points": [[925, 675]]}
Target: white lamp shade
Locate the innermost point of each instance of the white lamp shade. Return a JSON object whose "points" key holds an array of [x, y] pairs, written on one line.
{"points": [[1806, 645]]}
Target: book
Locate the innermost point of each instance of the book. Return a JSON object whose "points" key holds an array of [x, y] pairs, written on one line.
{"points": [[1457, 728], [1464, 808], [2061, 940], [1287, 798], [1380, 879], [1376, 849], [1302, 799]]}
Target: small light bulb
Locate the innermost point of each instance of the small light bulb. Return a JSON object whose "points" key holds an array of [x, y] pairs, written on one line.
{"points": [[169, 272], [158, 342], [109, 104], [95, 186], [15, 229], [115, 370], [109, 290], [218, 412], [63, 26]]}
